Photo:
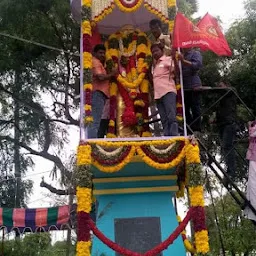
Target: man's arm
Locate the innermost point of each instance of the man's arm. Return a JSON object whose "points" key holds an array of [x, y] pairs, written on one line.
{"points": [[97, 73]]}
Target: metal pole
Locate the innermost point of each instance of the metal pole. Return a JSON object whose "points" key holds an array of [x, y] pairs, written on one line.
{"points": [[82, 128], [3, 243], [182, 97]]}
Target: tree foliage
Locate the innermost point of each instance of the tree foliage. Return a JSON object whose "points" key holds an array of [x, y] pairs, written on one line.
{"points": [[238, 233], [36, 244]]}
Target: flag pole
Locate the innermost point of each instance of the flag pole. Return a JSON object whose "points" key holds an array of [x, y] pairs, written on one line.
{"points": [[181, 87], [182, 98]]}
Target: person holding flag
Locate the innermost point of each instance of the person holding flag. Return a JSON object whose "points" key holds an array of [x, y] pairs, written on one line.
{"points": [[191, 61], [164, 89]]}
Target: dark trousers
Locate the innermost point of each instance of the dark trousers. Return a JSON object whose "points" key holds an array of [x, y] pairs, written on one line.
{"points": [[193, 109], [103, 128], [167, 110], [227, 137]]}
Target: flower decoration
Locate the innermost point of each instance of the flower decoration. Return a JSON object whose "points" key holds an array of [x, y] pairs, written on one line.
{"points": [[87, 59], [124, 51]]}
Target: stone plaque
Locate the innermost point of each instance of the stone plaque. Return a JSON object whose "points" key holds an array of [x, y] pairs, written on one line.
{"points": [[138, 234]]}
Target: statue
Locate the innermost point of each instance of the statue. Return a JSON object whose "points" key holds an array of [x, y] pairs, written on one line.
{"points": [[129, 51]]}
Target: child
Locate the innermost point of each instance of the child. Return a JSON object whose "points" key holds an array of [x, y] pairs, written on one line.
{"points": [[165, 89]]}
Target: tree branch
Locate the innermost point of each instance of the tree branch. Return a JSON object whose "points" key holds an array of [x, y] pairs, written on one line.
{"points": [[46, 155], [61, 192]]}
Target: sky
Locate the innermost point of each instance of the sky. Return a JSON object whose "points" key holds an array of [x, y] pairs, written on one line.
{"points": [[227, 10]]}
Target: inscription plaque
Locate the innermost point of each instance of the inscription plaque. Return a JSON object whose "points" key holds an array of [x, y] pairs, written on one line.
{"points": [[138, 234]]}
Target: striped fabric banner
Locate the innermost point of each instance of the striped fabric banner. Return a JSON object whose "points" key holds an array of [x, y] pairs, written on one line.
{"points": [[33, 218]]}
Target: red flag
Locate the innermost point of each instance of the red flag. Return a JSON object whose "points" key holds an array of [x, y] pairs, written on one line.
{"points": [[217, 41], [187, 35], [96, 38]]}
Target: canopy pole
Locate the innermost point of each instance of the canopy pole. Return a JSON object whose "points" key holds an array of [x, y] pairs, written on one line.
{"points": [[82, 128]]}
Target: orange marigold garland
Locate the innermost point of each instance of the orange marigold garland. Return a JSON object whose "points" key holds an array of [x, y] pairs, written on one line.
{"points": [[84, 199], [87, 60], [196, 194], [83, 174]]}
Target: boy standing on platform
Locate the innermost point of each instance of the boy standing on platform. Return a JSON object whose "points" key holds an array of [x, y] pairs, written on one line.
{"points": [[165, 89]]}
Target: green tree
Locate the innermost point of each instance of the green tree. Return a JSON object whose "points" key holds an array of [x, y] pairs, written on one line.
{"points": [[37, 84], [238, 233]]}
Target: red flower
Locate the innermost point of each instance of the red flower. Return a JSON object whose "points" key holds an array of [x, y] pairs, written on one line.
{"points": [[83, 226], [199, 218], [87, 46]]}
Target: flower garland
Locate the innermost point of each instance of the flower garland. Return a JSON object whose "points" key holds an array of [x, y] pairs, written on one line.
{"points": [[155, 251], [83, 177], [156, 12], [196, 194], [132, 83], [104, 13], [188, 245], [87, 59], [128, 6], [171, 13], [113, 156]]}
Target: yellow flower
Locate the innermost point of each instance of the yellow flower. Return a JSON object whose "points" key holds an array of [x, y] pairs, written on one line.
{"points": [[87, 3], [84, 155], [128, 9], [171, 25], [113, 89], [202, 242], [131, 85], [171, 3], [189, 247], [86, 27], [142, 48], [196, 196], [84, 199], [192, 154], [111, 53], [83, 248], [111, 135], [88, 119], [88, 87], [146, 134], [144, 87], [87, 59], [87, 107], [178, 86], [111, 123]]}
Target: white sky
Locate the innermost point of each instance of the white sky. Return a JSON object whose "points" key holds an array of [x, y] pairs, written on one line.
{"points": [[227, 10]]}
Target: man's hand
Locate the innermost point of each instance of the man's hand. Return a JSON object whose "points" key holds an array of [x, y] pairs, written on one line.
{"points": [[114, 72], [162, 41], [180, 57]]}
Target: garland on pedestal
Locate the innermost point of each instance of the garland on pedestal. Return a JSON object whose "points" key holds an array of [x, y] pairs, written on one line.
{"points": [[113, 156], [131, 53]]}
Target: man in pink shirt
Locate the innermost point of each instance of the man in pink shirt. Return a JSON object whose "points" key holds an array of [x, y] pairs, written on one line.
{"points": [[165, 89], [100, 86]]}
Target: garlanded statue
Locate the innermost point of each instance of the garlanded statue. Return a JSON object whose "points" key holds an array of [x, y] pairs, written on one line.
{"points": [[129, 51]]}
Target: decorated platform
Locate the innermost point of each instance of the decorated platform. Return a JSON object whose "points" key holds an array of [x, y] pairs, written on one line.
{"points": [[133, 183]]}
